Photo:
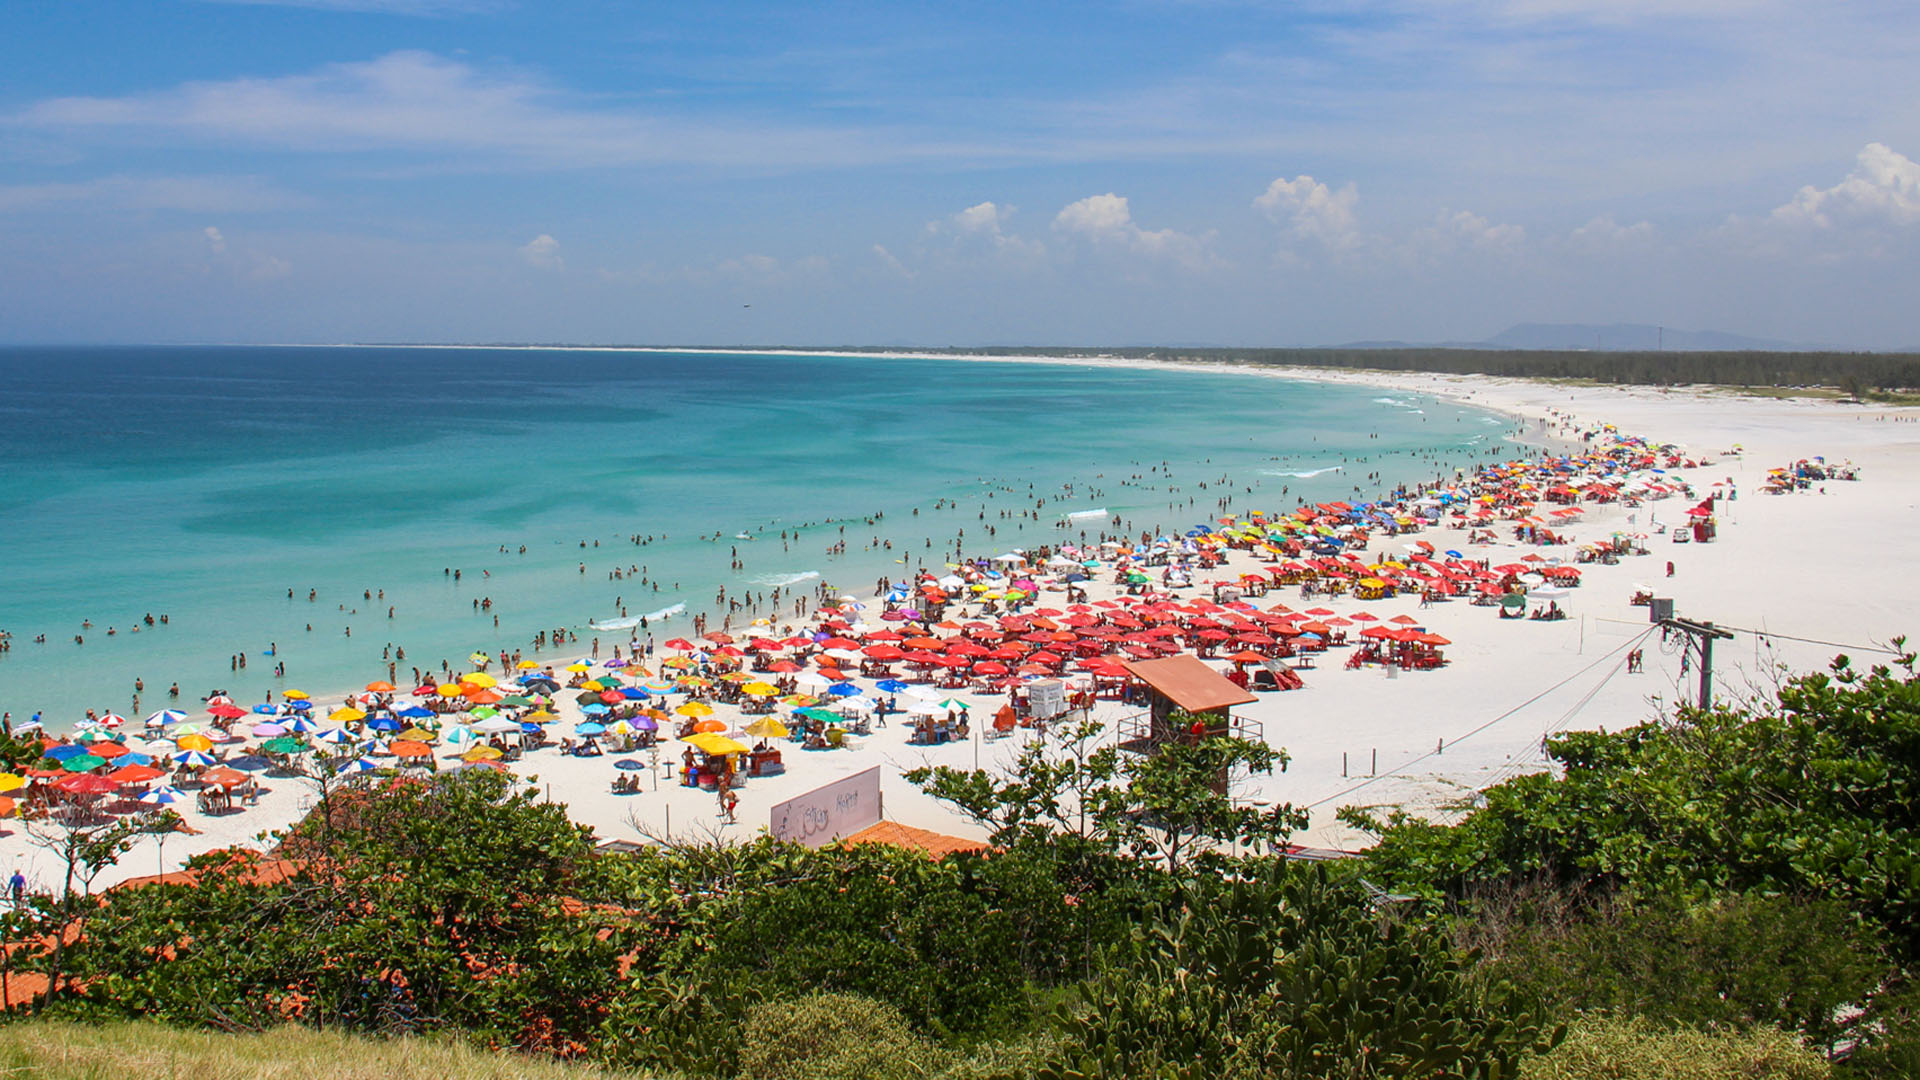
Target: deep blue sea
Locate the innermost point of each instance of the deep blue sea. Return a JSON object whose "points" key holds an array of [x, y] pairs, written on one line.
{"points": [[203, 483]]}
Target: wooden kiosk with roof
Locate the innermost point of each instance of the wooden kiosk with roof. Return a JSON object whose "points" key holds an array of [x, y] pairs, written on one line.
{"points": [[1185, 684]]}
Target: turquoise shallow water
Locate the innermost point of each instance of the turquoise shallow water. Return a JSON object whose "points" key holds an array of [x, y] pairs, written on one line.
{"points": [[204, 483]]}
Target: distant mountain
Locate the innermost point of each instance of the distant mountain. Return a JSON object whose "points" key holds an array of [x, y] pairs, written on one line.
{"points": [[1626, 337]]}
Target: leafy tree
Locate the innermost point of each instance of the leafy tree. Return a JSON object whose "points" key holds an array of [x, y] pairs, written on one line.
{"points": [[85, 844], [1167, 806], [1812, 794], [441, 905], [1284, 974]]}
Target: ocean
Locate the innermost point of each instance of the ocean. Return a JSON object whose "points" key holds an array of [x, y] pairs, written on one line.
{"points": [[207, 484]]}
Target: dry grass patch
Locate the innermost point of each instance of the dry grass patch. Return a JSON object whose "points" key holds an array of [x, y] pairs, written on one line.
{"points": [[145, 1051]]}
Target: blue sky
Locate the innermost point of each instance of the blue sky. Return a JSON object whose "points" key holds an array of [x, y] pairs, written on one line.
{"points": [[1206, 171]]}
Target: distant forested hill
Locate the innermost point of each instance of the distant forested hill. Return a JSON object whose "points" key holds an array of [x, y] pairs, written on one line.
{"points": [[1852, 372]]}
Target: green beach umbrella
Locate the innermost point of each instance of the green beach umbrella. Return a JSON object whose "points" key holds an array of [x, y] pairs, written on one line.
{"points": [[83, 763], [516, 700], [285, 744]]}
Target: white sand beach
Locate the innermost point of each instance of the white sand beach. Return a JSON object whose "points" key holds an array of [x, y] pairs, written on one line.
{"points": [[1799, 577]]}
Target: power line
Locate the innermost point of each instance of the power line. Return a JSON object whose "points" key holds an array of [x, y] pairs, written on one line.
{"points": [[1435, 753], [1812, 641], [1513, 768]]}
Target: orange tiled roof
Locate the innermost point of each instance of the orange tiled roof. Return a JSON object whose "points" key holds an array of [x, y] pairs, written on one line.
{"points": [[936, 845]]}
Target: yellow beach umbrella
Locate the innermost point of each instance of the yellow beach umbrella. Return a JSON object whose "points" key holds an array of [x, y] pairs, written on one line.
{"points": [[448, 690], [295, 695], [481, 753], [193, 742], [479, 678], [541, 716], [417, 734], [346, 715], [760, 689], [695, 708], [10, 782], [578, 668], [767, 728], [714, 743], [528, 665]]}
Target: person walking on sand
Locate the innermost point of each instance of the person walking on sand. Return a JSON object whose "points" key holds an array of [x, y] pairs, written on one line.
{"points": [[17, 888]]}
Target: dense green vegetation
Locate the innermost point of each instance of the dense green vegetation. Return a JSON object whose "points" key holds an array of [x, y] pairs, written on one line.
{"points": [[1726, 893], [1855, 373]]}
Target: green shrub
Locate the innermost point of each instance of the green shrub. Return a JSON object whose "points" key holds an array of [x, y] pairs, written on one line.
{"points": [[1637, 1049], [1290, 977], [833, 1037], [1805, 966]]}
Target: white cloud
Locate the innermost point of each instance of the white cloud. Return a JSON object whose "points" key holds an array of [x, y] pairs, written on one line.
{"points": [[194, 194], [758, 269], [1883, 188], [1098, 216], [1603, 235], [543, 252], [983, 227], [1108, 220], [983, 217], [264, 267], [380, 7], [893, 265], [420, 104], [215, 241], [1468, 230], [1313, 210]]}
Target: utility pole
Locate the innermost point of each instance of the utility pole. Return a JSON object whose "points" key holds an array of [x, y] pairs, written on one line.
{"points": [[1700, 637]]}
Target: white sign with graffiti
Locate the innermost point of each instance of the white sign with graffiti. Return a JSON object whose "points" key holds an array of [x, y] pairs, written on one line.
{"points": [[829, 812]]}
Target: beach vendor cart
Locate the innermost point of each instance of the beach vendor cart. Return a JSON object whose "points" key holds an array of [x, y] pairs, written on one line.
{"points": [[719, 760]]}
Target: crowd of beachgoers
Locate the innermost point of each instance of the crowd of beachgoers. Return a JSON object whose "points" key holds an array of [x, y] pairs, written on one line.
{"points": [[652, 730]]}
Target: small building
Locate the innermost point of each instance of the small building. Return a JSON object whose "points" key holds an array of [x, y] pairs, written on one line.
{"points": [[1184, 684]]}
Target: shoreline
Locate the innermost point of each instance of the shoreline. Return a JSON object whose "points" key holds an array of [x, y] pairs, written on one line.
{"points": [[1345, 718]]}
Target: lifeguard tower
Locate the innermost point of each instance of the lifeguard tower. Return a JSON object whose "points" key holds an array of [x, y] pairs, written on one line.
{"points": [[1184, 684]]}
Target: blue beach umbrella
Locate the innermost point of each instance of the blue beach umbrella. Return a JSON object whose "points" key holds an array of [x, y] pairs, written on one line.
{"points": [[194, 757], [163, 796], [634, 693], [595, 709], [166, 716], [843, 689], [383, 723], [590, 728], [891, 686], [266, 709], [415, 712], [62, 753], [630, 765]]}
